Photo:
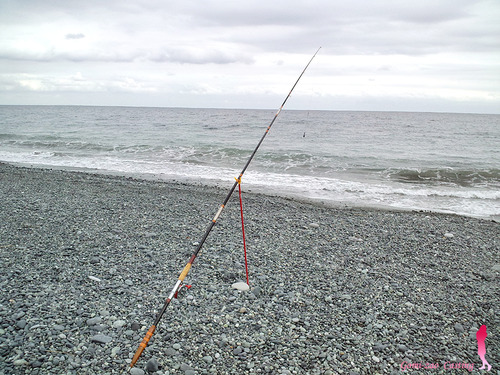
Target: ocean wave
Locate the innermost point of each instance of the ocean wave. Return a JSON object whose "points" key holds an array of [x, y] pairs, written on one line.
{"points": [[475, 201], [52, 143], [459, 177], [57, 145]]}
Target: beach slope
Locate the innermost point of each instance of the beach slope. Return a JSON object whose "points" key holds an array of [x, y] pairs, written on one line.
{"points": [[87, 260]]}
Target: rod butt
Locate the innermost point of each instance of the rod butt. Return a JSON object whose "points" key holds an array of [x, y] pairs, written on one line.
{"points": [[142, 346]]}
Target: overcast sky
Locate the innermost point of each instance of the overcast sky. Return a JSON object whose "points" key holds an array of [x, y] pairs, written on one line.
{"points": [[401, 55]]}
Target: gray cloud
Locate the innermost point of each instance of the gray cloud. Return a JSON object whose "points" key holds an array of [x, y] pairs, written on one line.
{"points": [[230, 46], [199, 55]]}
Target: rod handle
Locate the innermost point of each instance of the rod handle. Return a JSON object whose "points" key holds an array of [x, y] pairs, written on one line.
{"points": [[184, 272], [143, 345]]}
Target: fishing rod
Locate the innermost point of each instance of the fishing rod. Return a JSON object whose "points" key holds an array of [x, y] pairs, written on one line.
{"points": [[186, 269]]}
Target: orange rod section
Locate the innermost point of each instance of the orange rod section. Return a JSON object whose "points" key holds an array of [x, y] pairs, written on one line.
{"points": [[143, 345]]}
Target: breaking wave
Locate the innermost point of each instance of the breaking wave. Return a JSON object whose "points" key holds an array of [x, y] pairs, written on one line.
{"points": [[465, 178]]}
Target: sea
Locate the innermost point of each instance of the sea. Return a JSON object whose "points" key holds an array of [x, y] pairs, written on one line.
{"points": [[437, 162]]}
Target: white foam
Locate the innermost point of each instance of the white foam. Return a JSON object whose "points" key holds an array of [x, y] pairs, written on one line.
{"points": [[353, 190]]}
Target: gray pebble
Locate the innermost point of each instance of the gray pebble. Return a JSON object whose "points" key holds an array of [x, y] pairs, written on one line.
{"points": [[256, 291], [402, 348], [119, 323], [170, 352], [94, 321], [459, 327], [36, 364], [238, 350], [101, 339], [186, 367], [152, 365]]}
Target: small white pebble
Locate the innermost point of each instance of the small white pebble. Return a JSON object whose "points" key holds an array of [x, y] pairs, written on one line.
{"points": [[240, 286]]}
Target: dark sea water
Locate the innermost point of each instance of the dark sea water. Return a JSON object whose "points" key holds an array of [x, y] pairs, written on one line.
{"points": [[421, 161]]}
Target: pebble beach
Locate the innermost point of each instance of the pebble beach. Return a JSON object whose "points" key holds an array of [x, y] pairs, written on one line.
{"points": [[87, 260]]}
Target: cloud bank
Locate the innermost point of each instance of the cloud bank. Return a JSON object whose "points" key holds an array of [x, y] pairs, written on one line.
{"points": [[386, 55]]}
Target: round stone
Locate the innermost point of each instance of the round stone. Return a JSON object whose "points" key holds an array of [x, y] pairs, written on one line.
{"points": [[119, 323], [20, 362], [240, 286], [152, 365], [137, 371], [101, 339], [94, 321]]}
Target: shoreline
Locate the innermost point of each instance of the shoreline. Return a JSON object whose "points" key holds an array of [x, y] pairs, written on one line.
{"points": [[225, 188], [88, 259]]}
